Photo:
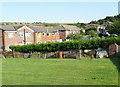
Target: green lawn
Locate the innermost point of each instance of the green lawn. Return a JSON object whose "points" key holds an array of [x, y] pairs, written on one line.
{"points": [[37, 71]]}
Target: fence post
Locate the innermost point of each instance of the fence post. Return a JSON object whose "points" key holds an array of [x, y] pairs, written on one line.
{"points": [[45, 55], [60, 55], [80, 53], [13, 53]]}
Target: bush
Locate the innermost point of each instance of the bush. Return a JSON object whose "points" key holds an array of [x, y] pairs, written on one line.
{"points": [[64, 46], [92, 28]]}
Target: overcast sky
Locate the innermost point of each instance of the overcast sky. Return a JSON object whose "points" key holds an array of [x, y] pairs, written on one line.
{"points": [[57, 12]]}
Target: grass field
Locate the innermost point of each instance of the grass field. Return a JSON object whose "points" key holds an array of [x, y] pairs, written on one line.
{"points": [[37, 71]]}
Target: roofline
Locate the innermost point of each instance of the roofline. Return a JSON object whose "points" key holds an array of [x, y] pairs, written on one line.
{"points": [[10, 31], [1, 29], [25, 27]]}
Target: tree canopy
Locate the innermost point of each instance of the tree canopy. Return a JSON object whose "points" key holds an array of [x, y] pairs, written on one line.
{"points": [[115, 28], [107, 19]]}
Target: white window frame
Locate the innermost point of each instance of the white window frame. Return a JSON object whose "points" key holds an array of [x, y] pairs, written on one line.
{"points": [[21, 34], [10, 35], [54, 33], [27, 34], [38, 34]]}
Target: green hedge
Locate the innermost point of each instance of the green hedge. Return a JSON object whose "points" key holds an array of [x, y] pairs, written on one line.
{"points": [[63, 46]]}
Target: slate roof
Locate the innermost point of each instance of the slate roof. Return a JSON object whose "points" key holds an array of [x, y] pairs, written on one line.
{"points": [[71, 28], [41, 28], [7, 27], [17, 27]]}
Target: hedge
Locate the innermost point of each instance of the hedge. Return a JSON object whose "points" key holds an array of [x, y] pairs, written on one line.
{"points": [[63, 46]]}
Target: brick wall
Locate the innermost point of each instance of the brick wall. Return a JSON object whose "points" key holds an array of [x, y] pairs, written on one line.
{"points": [[1, 40], [14, 38], [46, 37], [29, 37], [62, 35], [9, 40], [1, 37], [17, 37]]}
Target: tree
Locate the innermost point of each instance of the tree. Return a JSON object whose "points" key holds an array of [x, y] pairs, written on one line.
{"points": [[91, 28], [83, 25], [94, 22], [109, 18], [92, 33], [115, 28], [76, 36]]}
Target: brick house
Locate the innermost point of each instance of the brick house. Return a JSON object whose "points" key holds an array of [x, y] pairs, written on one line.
{"points": [[1, 39], [45, 34], [100, 28], [20, 35], [65, 30], [8, 36]]}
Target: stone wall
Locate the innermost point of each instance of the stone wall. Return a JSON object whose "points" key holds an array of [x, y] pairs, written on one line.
{"points": [[114, 50]]}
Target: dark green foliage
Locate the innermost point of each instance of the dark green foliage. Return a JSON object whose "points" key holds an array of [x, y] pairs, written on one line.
{"points": [[115, 28], [92, 33], [107, 19], [64, 46], [76, 36], [81, 25], [94, 22], [92, 28]]}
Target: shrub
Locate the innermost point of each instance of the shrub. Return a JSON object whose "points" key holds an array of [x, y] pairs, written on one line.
{"points": [[92, 28], [64, 46]]}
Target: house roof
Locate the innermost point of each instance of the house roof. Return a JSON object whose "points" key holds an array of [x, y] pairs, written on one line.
{"points": [[91, 25], [41, 28], [17, 27], [71, 28], [56, 28], [7, 28], [60, 27]]}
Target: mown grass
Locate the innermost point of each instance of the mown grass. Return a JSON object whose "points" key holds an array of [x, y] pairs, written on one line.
{"points": [[59, 72], [0, 72]]}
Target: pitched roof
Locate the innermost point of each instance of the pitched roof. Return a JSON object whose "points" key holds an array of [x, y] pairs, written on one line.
{"points": [[60, 27], [7, 27], [42, 28], [17, 27], [71, 28]]}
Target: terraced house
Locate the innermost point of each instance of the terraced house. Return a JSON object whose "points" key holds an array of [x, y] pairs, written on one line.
{"points": [[20, 35]]}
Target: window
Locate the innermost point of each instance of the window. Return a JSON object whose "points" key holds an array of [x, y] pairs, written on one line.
{"points": [[54, 33], [21, 34], [43, 33], [48, 34], [10, 35], [38, 34], [27, 34]]}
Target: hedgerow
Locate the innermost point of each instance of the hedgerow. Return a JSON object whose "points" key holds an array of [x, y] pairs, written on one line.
{"points": [[64, 46]]}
